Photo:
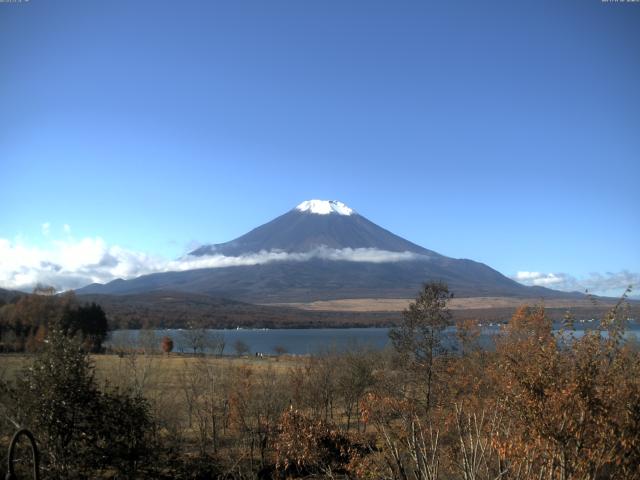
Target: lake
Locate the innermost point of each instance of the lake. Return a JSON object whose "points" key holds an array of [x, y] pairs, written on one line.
{"points": [[296, 341]]}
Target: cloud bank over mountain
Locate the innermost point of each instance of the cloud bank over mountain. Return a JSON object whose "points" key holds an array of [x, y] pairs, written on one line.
{"points": [[69, 263], [72, 263]]}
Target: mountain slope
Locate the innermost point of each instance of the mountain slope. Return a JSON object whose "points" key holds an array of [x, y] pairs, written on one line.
{"points": [[301, 230], [326, 251], [327, 280], [7, 296]]}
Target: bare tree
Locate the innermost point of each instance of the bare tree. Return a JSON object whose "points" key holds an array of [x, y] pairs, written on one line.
{"points": [[257, 405], [241, 347], [279, 350], [321, 384], [202, 382], [354, 377], [410, 449], [194, 339], [214, 343], [419, 338]]}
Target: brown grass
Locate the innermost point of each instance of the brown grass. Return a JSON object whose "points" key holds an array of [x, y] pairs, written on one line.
{"points": [[399, 304], [165, 370]]}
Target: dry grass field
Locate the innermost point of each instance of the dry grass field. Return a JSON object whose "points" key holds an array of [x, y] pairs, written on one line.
{"points": [[164, 371], [399, 304], [185, 392]]}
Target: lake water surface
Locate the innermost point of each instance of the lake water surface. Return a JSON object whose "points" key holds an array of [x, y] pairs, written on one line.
{"points": [[297, 340]]}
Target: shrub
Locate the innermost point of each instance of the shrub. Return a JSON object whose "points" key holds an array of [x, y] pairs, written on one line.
{"points": [[307, 447], [79, 428]]}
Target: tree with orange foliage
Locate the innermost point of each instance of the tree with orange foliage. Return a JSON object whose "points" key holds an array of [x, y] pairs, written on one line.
{"points": [[310, 447], [166, 345], [573, 402]]}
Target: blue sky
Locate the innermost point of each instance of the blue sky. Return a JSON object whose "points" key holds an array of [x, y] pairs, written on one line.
{"points": [[506, 132]]}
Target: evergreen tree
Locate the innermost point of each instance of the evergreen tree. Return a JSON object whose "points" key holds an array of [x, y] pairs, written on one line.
{"points": [[89, 321]]}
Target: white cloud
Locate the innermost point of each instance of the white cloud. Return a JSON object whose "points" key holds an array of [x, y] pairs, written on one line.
{"points": [[66, 228], [537, 278], [608, 283], [372, 255], [46, 229], [71, 263]]}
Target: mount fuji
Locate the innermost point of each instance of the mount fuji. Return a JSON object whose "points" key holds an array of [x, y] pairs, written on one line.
{"points": [[321, 250], [315, 224]]}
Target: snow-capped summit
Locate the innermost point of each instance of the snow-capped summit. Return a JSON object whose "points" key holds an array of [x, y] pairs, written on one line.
{"points": [[324, 207], [311, 225]]}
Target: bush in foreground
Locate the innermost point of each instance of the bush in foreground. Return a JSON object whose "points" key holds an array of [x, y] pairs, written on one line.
{"points": [[81, 429]]}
